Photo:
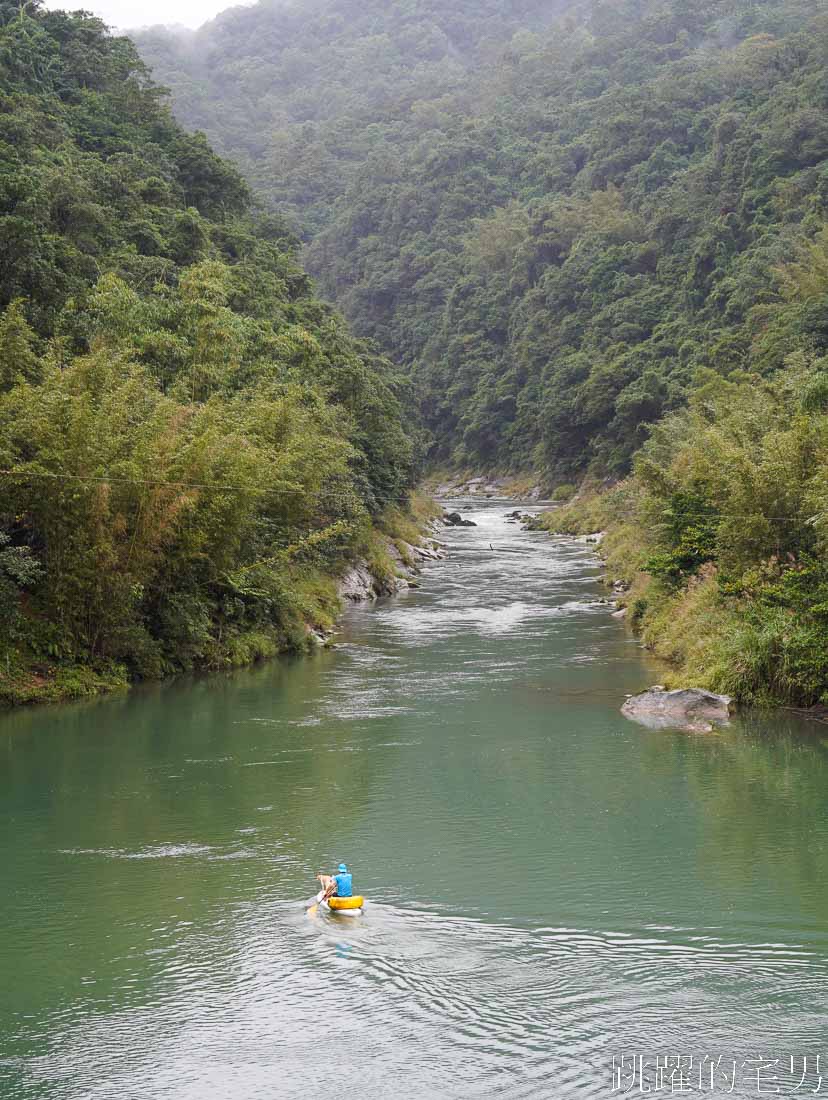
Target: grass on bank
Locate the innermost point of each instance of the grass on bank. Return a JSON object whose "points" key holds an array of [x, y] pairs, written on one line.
{"points": [[736, 644]]}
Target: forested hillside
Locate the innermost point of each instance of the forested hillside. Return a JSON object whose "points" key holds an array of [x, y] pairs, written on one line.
{"points": [[300, 94], [722, 532], [594, 234], [191, 444], [554, 229]]}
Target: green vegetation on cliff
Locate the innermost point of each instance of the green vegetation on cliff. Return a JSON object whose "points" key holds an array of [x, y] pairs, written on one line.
{"points": [[191, 444], [554, 219], [594, 235], [722, 532]]}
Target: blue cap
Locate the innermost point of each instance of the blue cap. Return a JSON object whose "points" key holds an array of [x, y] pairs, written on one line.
{"points": [[342, 867]]}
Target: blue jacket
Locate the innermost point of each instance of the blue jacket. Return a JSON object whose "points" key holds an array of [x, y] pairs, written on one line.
{"points": [[343, 885]]}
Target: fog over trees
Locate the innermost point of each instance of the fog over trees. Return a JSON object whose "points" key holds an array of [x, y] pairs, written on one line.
{"points": [[553, 216], [593, 236]]}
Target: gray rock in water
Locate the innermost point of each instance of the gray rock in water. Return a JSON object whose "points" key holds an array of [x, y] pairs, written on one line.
{"points": [[454, 519], [685, 708], [359, 583]]}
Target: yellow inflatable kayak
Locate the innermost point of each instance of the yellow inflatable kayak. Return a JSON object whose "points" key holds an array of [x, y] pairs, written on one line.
{"points": [[346, 905]]}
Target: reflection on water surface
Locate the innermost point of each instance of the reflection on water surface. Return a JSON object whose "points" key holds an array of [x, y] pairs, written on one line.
{"points": [[548, 884]]}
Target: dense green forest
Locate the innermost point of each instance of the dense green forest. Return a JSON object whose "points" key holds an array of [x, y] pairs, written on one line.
{"points": [[722, 531], [553, 224], [302, 94], [192, 445], [594, 235], [591, 235]]}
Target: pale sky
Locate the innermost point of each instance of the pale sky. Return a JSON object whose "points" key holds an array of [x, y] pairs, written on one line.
{"points": [[124, 15]]}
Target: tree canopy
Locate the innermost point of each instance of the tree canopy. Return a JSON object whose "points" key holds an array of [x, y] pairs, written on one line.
{"points": [[594, 236], [191, 442], [553, 216]]}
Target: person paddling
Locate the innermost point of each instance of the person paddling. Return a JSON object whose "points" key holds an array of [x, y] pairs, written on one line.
{"points": [[339, 885], [338, 893]]}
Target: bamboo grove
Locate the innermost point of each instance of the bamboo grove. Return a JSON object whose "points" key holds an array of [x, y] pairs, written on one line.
{"points": [[191, 444]]}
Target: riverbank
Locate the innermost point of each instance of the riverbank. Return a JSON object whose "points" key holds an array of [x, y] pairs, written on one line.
{"points": [[449, 484], [752, 637], [385, 560]]}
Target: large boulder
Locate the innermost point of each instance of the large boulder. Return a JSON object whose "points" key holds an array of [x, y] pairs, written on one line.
{"points": [[685, 708], [359, 584], [454, 519]]}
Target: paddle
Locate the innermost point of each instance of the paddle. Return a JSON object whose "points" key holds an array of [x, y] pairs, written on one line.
{"points": [[323, 895]]}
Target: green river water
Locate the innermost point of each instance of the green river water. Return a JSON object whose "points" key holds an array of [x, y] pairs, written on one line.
{"points": [[550, 887]]}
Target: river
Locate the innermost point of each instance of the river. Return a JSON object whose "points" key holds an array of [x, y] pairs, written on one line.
{"points": [[550, 886]]}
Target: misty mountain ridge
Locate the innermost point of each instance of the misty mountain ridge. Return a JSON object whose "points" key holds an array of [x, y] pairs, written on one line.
{"points": [[553, 216]]}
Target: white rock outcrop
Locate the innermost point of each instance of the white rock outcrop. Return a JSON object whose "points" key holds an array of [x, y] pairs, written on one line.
{"points": [[359, 583], [685, 708]]}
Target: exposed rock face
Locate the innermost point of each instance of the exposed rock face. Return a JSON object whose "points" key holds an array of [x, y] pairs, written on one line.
{"points": [[686, 708], [359, 583], [502, 487], [481, 486], [408, 557], [426, 553]]}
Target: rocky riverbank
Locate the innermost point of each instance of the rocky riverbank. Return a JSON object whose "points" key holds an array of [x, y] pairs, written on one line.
{"points": [[446, 486], [704, 640], [361, 581]]}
